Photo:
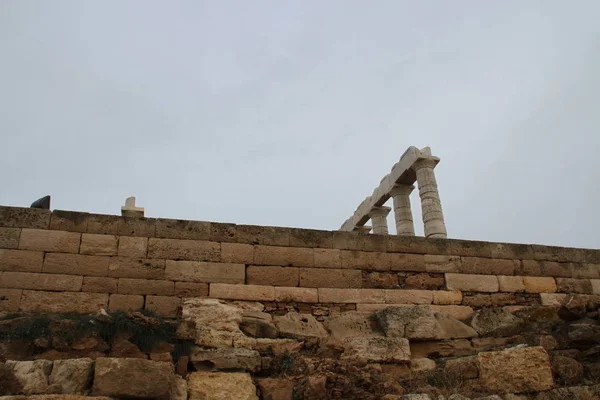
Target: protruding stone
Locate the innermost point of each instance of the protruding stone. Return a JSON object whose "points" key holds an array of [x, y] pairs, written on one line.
{"points": [[365, 350], [132, 377], [298, 326], [74, 376], [225, 359], [496, 322], [221, 386]]}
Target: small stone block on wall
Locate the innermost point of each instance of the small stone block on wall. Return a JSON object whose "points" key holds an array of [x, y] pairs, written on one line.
{"points": [[163, 306], [10, 300], [242, 292], [123, 302]]}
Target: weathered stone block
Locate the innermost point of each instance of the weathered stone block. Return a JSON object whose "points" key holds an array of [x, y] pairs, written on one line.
{"points": [[71, 221], [537, 284], [364, 350], [146, 286], [396, 296], [62, 302], [330, 278], [164, 306], [296, 295], [530, 268], [462, 368], [199, 271], [74, 376], [182, 229], [45, 240], [299, 326], [595, 286], [17, 217], [75, 264], [516, 370], [461, 313], [32, 375], [472, 283], [34, 281], [488, 266], [423, 280], [553, 253], [311, 238], [264, 235], [132, 377], [144, 268], [382, 261], [582, 270], [98, 245], [191, 289], [238, 253], [512, 251], [241, 292], [10, 299], [9, 238], [496, 322], [446, 297], [284, 256], [272, 275], [103, 224], [221, 386], [134, 247], [124, 302], [223, 232], [328, 295], [407, 244], [442, 263], [380, 280], [99, 284], [177, 249], [441, 348], [131, 226], [21, 260], [552, 299], [511, 284], [328, 258], [359, 242], [227, 358], [571, 285]]}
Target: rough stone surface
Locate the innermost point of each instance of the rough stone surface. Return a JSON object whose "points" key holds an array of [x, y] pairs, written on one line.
{"points": [[567, 370], [32, 375], [442, 348], [364, 350], [126, 377], [276, 388], [349, 324], [63, 302], [259, 325], [463, 368], [297, 326], [224, 359], [74, 376], [516, 370], [472, 283], [221, 386], [496, 322]]}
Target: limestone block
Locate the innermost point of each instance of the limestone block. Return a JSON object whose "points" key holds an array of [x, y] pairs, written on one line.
{"points": [[103, 224], [264, 235], [223, 232], [32, 375], [191, 289], [9, 238], [272, 275], [258, 325], [124, 302], [45, 240], [331, 295], [177, 249], [18, 217], [376, 261], [330, 278], [72, 221], [21, 260], [595, 286], [296, 295], [463, 368], [34, 281], [284, 256], [328, 258], [221, 386], [62, 302], [199, 271], [237, 253], [10, 300], [397, 296], [164, 306], [226, 359], [74, 376], [182, 229], [134, 226], [276, 388], [299, 326], [496, 322], [99, 245], [512, 251], [537, 284], [445, 297], [349, 324], [403, 244], [179, 390], [441, 348], [442, 263], [424, 280], [142, 268], [516, 370], [364, 350], [99, 284], [135, 247], [571, 285], [241, 292], [75, 264], [552, 299], [488, 266], [472, 283], [311, 238], [358, 241], [132, 377], [511, 284], [461, 313], [531, 268], [146, 286], [582, 270]]}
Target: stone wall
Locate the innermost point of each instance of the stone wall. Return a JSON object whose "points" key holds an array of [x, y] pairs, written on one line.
{"points": [[65, 261]]}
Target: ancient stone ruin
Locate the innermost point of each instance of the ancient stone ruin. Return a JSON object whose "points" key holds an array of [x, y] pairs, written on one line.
{"points": [[124, 306]]}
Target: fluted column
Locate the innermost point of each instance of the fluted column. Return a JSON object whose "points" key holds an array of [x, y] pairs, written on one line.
{"points": [[433, 218], [378, 216], [402, 211]]}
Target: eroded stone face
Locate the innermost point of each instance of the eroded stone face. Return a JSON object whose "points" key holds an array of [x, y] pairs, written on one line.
{"points": [[223, 359], [132, 377], [298, 326], [349, 324], [74, 376], [32, 375], [364, 350], [496, 322], [221, 386]]}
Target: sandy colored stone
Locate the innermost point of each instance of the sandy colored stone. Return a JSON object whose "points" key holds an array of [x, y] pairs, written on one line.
{"points": [[377, 261], [191, 289], [124, 302], [237, 253], [572, 285], [127, 377], [32, 375], [328, 258], [128, 226], [397, 296], [511, 284], [349, 324], [177, 249], [299, 326], [10, 299], [179, 390], [296, 295], [9, 238], [276, 388], [182, 229], [496, 322], [442, 264], [135, 247], [595, 286], [164, 306], [462, 368], [226, 359], [103, 224], [364, 350], [98, 245], [584, 270], [72, 221], [441, 348], [20, 217], [516, 370], [552, 299], [424, 281], [199, 271], [311, 238], [63, 302], [330, 295], [34, 281], [472, 283], [146, 286], [223, 232], [241, 292], [445, 297], [21, 260], [488, 266], [143, 268], [96, 284], [44, 240], [76, 264], [330, 278], [284, 256], [265, 235], [221, 386], [74, 376], [272, 275], [538, 284], [461, 313]]}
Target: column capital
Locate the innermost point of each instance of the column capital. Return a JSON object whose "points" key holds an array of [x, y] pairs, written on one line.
{"points": [[400, 189], [425, 163], [379, 211], [363, 229]]}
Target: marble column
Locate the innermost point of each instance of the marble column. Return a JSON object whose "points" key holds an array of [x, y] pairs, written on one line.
{"points": [[402, 211], [378, 216], [433, 218]]}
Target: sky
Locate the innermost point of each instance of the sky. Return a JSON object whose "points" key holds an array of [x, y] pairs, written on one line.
{"points": [[289, 113]]}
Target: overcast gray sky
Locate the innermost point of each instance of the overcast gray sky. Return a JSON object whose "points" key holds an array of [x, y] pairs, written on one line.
{"points": [[290, 112]]}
